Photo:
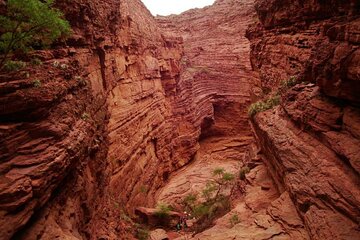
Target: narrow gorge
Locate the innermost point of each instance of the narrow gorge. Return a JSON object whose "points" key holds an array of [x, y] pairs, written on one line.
{"points": [[132, 110]]}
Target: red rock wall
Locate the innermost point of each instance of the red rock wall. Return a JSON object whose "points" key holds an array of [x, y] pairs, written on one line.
{"points": [[215, 68], [64, 143], [155, 124], [311, 139], [120, 107]]}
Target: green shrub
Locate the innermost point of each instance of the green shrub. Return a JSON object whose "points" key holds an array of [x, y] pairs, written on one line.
{"points": [[142, 233], [292, 81], [190, 199], [14, 65], [162, 210], [234, 220], [28, 24], [209, 190], [143, 189], [243, 172], [218, 171], [37, 83], [227, 177], [215, 204], [125, 217], [261, 106]]}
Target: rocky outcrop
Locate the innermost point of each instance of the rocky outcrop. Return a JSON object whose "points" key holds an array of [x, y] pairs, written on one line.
{"points": [[153, 217], [97, 129], [119, 107], [310, 140], [62, 141]]}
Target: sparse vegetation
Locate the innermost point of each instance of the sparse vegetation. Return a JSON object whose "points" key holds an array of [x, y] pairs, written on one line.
{"points": [[234, 220], [36, 62], [30, 24], [214, 202], [142, 233], [144, 189], [261, 106], [81, 80], [273, 100], [56, 64], [162, 210], [125, 217], [63, 66], [85, 116], [292, 81], [13, 65], [37, 83]]}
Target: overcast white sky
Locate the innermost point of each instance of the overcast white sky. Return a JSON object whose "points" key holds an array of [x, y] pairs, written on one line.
{"points": [[167, 7]]}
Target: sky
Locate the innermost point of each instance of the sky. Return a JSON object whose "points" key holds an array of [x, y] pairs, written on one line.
{"points": [[167, 7]]}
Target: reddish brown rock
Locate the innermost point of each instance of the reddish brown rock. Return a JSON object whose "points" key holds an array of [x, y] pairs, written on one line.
{"points": [[124, 112], [126, 101], [56, 143], [150, 217], [310, 142]]}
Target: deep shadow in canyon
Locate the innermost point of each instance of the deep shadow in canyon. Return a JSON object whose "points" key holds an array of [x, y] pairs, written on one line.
{"points": [[147, 107]]}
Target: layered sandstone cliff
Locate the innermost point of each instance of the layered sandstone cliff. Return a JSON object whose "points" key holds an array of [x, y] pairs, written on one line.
{"points": [[120, 107], [311, 140], [100, 108], [130, 99]]}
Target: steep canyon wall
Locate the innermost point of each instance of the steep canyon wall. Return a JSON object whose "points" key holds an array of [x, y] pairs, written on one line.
{"points": [[311, 140], [126, 100], [121, 106], [99, 109]]}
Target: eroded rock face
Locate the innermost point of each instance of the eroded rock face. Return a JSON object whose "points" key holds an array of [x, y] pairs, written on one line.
{"points": [[119, 108], [58, 139], [310, 142], [211, 76], [125, 103]]}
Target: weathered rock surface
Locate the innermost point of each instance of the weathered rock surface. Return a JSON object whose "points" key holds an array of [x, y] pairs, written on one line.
{"points": [[261, 214], [58, 141], [119, 108], [159, 234], [310, 143], [125, 103], [151, 217]]}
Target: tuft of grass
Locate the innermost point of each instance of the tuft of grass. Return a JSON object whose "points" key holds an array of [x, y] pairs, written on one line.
{"points": [[125, 217], [190, 199], [144, 189], [163, 210], [228, 177], [142, 233], [218, 171], [81, 80], [286, 84], [234, 220], [63, 66], [209, 190], [37, 83], [56, 64], [14, 65], [85, 116], [261, 106]]}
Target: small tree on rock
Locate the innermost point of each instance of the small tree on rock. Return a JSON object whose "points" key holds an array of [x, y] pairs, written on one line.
{"points": [[30, 23]]}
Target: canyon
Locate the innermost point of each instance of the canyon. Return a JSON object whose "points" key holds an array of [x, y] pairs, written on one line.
{"points": [[135, 109]]}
